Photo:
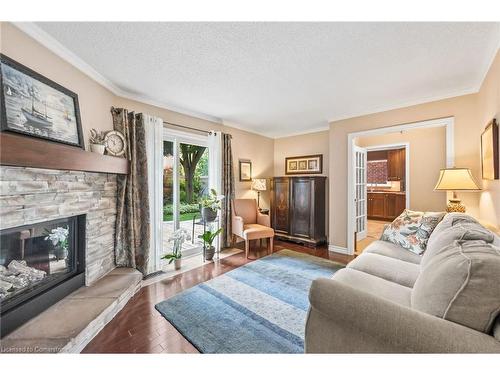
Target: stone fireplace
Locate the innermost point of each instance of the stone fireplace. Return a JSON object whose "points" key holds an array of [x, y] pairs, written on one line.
{"points": [[57, 227]]}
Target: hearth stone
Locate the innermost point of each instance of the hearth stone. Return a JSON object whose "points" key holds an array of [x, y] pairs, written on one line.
{"points": [[69, 325]]}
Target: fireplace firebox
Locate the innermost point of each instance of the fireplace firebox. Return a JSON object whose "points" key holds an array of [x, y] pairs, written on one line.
{"points": [[39, 265]]}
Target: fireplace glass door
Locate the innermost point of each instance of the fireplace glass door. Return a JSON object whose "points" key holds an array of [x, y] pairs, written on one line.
{"points": [[35, 257]]}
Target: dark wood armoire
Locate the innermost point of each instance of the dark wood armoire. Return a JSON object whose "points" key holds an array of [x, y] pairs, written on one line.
{"points": [[298, 209]]}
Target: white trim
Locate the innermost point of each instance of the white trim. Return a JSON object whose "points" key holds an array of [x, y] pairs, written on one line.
{"points": [[339, 249], [48, 41], [304, 132], [429, 99], [390, 146], [447, 122]]}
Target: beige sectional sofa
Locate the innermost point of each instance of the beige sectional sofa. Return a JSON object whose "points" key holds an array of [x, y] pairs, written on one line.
{"points": [[390, 300]]}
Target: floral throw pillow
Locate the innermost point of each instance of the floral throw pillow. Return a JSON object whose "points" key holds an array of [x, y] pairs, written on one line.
{"points": [[411, 230]]}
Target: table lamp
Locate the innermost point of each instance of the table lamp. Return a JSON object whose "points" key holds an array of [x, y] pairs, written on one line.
{"points": [[259, 184], [456, 179]]}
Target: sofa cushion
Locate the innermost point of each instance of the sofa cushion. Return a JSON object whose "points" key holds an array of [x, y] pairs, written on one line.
{"points": [[389, 249], [390, 269], [461, 284], [374, 285], [454, 226], [412, 229]]}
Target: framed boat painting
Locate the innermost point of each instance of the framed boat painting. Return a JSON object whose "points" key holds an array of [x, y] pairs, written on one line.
{"points": [[309, 164], [33, 105], [490, 152]]}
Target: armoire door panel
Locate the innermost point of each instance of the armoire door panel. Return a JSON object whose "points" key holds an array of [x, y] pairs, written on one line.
{"points": [[281, 206], [302, 205]]}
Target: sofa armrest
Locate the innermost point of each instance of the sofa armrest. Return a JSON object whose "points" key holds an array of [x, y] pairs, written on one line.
{"points": [[343, 319], [237, 225], [263, 219]]}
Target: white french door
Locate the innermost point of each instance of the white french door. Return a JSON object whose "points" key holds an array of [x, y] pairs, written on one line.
{"points": [[182, 190], [360, 193]]}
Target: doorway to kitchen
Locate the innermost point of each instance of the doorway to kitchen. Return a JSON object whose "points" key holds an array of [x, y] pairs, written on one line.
{"points": [[386, 191], [432, 148]]}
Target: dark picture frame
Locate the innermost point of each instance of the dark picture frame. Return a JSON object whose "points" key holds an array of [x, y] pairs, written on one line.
{"points": [[307, 164], [33, 105], [245, 169], [490, 169]]}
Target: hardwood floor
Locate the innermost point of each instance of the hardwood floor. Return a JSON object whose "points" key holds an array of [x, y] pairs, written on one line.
{"points": [[375, 229], [139, 328]]}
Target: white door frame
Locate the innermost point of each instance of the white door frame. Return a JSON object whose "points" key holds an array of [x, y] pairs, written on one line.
{"points": [[392, 146], [447, 122]]}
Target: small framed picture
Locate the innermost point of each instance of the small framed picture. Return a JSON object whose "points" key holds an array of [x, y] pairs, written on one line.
{"points": [[489, 152], [309, 164], [245, 170], [33, 105]]}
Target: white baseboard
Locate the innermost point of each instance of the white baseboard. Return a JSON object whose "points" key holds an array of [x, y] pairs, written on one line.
{"points": [[339, 249]]}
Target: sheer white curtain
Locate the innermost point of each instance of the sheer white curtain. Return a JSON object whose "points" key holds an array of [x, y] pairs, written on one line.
{"points": [[215, 161], [154, 154]]}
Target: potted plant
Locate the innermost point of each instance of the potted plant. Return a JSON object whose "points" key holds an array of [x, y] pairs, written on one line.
{"points": [[178, 238], [209, 205], [208, 238], [97, 143]]}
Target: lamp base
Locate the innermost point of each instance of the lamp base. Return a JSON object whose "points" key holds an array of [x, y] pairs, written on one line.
{"points": [[454, 205]]}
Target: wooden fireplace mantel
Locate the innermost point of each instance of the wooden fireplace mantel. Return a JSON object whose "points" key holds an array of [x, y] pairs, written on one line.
{"points": [[22, 151]]}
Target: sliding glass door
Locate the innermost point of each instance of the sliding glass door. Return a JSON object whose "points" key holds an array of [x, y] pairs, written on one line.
{"points": [[185, 181]]}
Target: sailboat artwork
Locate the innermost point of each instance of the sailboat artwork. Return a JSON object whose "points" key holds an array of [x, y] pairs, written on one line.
{"points": [[34, 105]]}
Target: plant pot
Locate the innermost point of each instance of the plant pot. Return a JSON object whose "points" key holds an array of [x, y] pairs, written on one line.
{"points": [[209, 253], [208, 214], [98, 149], [177, 264]]}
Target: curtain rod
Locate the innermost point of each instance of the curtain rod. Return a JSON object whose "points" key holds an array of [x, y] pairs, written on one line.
{"points": [[186, 127]]}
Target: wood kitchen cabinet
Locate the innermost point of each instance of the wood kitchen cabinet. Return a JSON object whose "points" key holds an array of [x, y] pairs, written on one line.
{"points": [[385, 206], [396, 164]]}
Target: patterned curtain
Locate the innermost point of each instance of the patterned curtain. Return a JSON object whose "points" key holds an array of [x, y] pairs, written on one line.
{"points": [[227, 189], [132, 234]]}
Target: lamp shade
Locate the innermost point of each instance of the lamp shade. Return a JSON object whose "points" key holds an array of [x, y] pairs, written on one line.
{"points": [[456, 179], [259, 184]]}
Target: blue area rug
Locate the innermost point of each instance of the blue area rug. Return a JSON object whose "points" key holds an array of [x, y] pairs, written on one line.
{"points": [[260, 307]]}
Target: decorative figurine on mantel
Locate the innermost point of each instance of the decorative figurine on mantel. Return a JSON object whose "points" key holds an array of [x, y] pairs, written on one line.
{"points": [[97, 143]]}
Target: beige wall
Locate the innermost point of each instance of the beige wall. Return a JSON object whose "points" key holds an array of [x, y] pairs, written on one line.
{"points": [[488, 108], [306, 144], [427, 155], [96, 101], [470, 112]]}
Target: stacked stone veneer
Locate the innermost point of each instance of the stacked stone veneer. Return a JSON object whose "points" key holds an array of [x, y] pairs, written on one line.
{"points": [[32, 195]]}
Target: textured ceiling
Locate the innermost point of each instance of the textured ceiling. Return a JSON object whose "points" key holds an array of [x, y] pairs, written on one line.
{"points": [[285, 78]]}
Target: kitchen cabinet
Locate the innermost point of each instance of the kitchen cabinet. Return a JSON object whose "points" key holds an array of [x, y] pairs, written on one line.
{"points": [[396, 164], [385, 206]]}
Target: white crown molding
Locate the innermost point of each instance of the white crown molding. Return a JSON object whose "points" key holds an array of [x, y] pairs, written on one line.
{"points": [[489, 61], [380, 109], [52, 44], [305, 132]]}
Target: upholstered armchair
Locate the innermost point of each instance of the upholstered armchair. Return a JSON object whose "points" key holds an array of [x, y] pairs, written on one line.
{"points": [[249, 224]]}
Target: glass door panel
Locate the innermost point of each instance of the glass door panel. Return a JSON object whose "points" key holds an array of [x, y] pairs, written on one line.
{"points": [[193, 184], [185, 181], [169, 209]]}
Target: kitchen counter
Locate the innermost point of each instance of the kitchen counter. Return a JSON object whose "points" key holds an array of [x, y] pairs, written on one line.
{"points": [[387, 192]]}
